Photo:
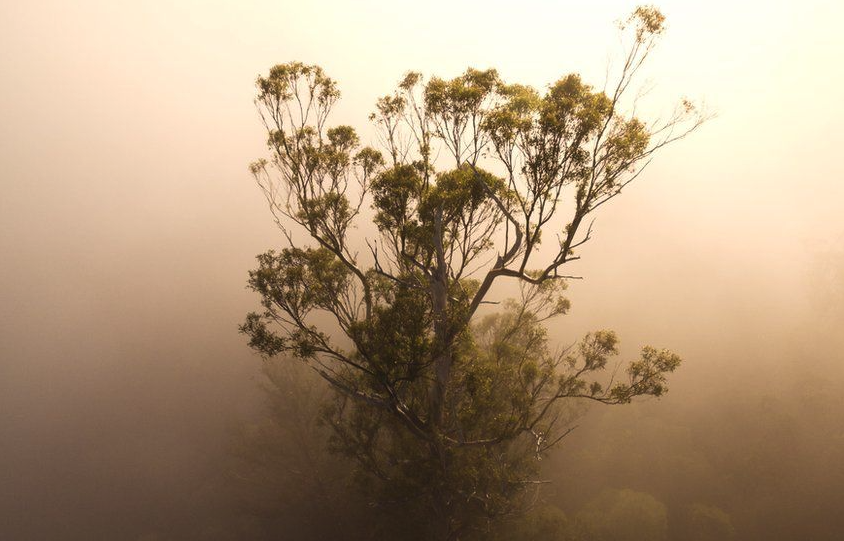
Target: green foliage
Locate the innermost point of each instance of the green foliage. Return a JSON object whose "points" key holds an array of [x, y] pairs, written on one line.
{"points": [[648, 20], [459, 194], [395, 194], [284, 80], [294, 282], [494, 373]]}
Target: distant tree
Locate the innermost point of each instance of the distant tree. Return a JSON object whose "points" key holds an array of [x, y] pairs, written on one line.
{"points": [[540, 523], [446, 412], [707, 523], [283, 476], [623, 515]]}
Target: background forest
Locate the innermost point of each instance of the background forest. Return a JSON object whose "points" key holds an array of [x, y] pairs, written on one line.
{"points": [[130, 408]]}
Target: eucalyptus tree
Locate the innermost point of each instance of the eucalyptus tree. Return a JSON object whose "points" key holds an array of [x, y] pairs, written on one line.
{"points": [[446, 406]]}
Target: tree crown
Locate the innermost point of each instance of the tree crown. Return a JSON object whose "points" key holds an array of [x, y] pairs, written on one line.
{"points": [[430, 393]]}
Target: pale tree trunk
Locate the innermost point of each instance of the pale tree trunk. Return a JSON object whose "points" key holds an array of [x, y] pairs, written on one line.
{"points": [[443, 354], [442, 513]]}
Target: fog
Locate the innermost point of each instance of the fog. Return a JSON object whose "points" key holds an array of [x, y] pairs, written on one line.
{"points": [[128, 222]]}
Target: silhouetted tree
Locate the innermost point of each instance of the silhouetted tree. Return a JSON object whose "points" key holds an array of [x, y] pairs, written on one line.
{"points": [[623, 515], [444, 412], [283, 475]]}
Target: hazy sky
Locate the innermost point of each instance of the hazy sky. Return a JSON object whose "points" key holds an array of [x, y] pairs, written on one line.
{"points": [[128, 219]]}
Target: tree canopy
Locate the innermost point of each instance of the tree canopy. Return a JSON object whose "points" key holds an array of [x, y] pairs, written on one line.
{"points": [[444, 407]]}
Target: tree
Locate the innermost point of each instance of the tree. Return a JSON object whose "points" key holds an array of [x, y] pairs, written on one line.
{"points": [[624, 515], [444, 411], [708, 523], [285, 448]]}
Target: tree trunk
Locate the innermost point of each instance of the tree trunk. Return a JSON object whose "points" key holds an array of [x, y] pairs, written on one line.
{"points": [[442, 353], [442, 512]]}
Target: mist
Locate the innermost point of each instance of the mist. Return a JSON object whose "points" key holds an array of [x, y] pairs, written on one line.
{"points": [[129, 220]]}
